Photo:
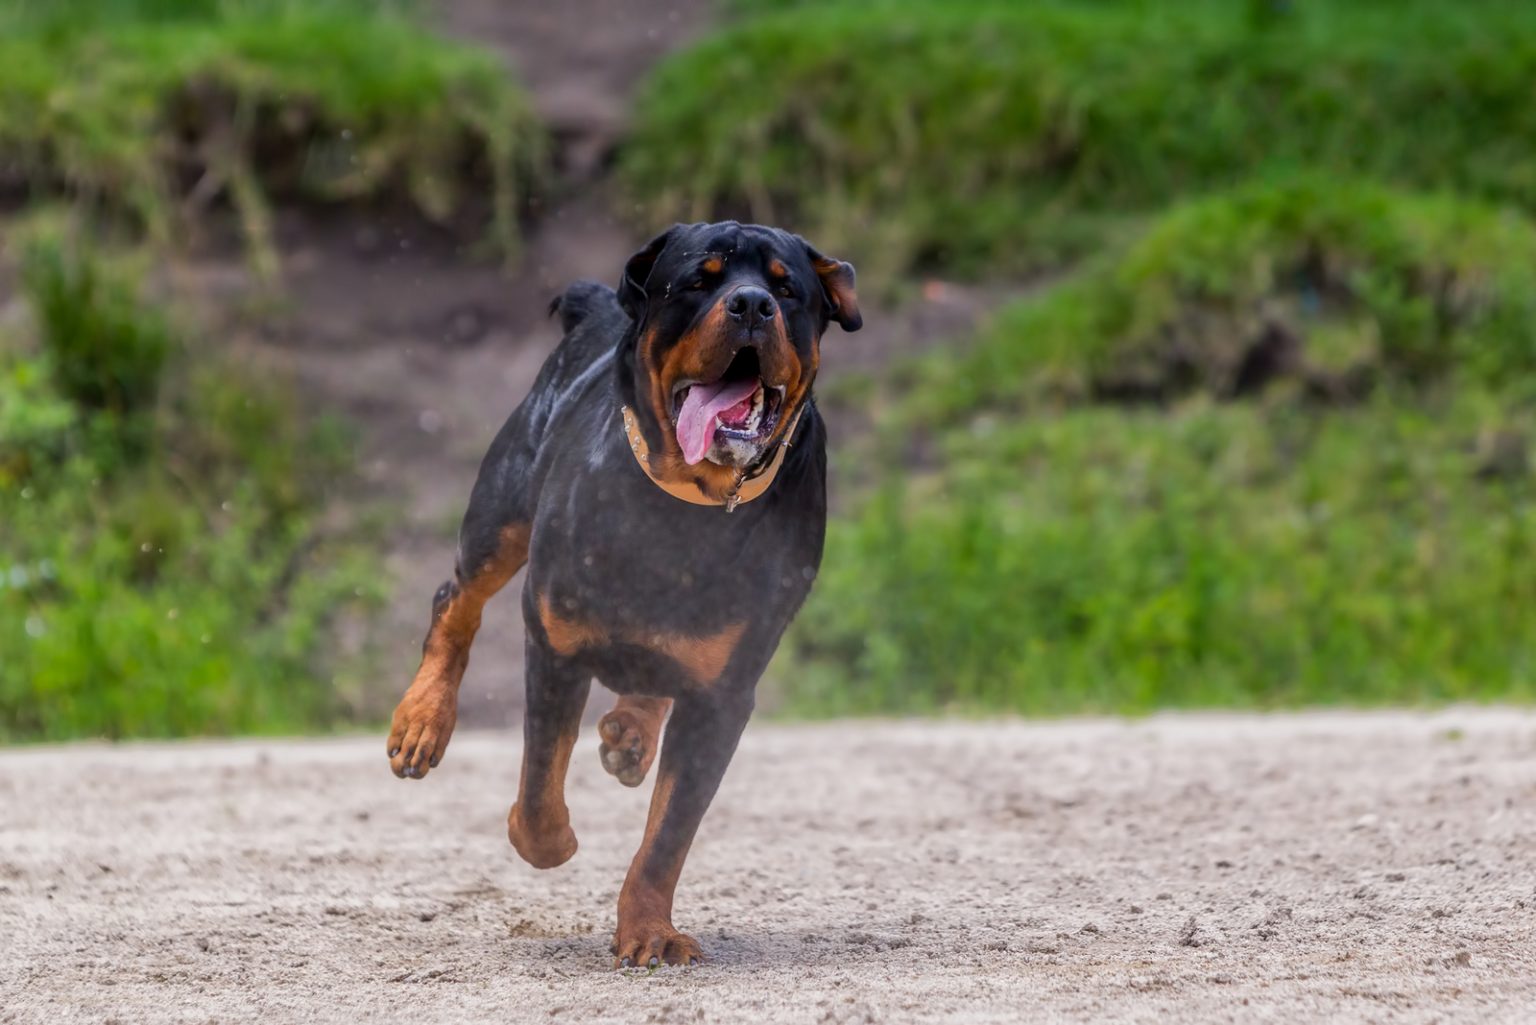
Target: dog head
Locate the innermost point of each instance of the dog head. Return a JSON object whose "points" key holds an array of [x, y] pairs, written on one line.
{"points": [[728, 324]]}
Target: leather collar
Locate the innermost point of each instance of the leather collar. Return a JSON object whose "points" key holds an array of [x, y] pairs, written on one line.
{"points": [[746, 487]]}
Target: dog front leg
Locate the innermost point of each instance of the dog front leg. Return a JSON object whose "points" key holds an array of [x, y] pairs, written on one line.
{"points": [[700, 740], [489, 556]]}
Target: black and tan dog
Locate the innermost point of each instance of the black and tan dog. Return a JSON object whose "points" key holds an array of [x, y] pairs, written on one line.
{"points": [[665, 481]]}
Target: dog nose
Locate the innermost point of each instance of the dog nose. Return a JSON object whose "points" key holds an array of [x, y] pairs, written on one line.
{"points": [[751, 305]]}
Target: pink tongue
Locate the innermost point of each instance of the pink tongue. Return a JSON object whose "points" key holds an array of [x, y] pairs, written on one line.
{"points": [[701, 410]]}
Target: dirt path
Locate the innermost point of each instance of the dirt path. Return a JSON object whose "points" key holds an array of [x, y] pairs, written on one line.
{"points": [[1298, 868]]}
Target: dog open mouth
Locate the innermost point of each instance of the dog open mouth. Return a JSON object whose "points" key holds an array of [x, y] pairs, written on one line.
{"points": [[738, 410]]}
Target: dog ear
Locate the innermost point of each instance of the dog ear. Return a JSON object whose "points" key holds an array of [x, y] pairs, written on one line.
{"points": [[637, 271], [837, 279]]}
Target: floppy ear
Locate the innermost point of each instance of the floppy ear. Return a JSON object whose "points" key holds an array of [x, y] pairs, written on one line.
{"points": [[837, 280], [637, 271]]}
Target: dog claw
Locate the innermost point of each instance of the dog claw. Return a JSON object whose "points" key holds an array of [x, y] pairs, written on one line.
{"points": [[394, 751], [654, 946]]}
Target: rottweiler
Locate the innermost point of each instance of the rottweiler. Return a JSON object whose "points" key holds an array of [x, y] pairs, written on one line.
{"points": [[665, 482]]}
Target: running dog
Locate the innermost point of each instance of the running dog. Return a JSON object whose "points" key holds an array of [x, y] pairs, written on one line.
{"points": [[665, 482]]}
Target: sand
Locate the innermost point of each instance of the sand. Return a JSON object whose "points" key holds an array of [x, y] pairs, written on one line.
{"points": [[1296, 868]]}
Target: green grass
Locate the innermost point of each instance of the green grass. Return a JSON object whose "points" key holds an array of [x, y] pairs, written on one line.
{"points": [[1106, 560], [1083, 514], [158, 108], [1373, 283], [987, 137], [163, 568]]}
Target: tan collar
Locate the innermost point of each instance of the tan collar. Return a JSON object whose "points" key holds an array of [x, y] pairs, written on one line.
{"points": [[745, 489]]}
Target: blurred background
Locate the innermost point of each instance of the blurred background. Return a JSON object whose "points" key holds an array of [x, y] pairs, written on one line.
{"points": [[1199, 367]]}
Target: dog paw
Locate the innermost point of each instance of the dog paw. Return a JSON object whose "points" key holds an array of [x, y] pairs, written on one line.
{"points": [[541, 844], [628, 745], [419, 732], [650, 944]]}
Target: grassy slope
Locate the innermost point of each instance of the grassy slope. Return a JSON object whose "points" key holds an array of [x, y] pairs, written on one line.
{"points": [[137, 104], [1051, 552], [978, 136], [165, 566]]}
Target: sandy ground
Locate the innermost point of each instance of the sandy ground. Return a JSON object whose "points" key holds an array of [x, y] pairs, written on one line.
{"points": [[1371, 868]]}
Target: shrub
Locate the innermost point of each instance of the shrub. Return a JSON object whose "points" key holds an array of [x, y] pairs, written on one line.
{"points": [[105, 352], [181, 584]]}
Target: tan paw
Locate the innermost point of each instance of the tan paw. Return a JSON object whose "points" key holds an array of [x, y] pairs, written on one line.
{"points": [[648, 944], [419, 732], [628, 745]]}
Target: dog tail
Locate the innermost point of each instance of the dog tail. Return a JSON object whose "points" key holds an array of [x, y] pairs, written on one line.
{"points": [[577, 302]]}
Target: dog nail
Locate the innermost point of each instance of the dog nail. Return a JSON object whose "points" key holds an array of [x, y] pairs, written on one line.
{"points": [[692, 961], [627, 963], [653, 962], [435, 760], [393, 751]]}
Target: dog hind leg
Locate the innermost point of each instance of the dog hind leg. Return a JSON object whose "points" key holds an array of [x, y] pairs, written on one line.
{"points": [[539, 824]]}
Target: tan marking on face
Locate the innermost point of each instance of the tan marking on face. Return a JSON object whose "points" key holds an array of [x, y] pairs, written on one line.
{"points": [[567, 636], [776, 269], [713, 265]]}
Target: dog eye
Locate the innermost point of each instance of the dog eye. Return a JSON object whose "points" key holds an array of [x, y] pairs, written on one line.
{"points": [[696, 285], [786, 291]]}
